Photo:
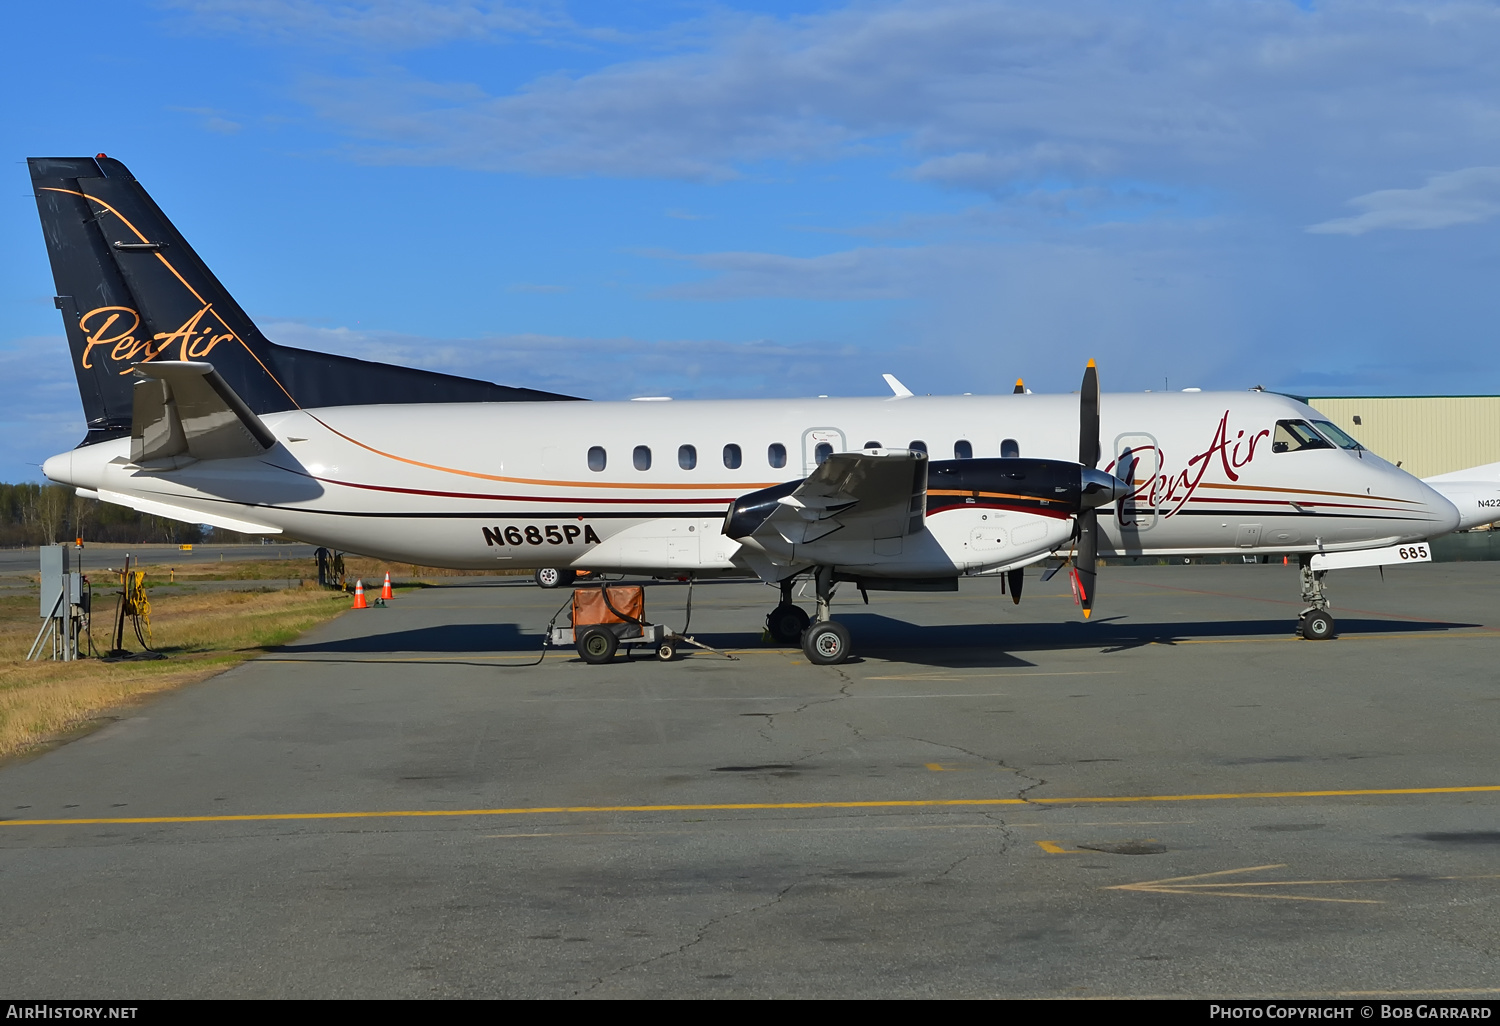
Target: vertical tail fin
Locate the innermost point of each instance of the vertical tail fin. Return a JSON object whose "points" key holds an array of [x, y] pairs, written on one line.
{"points": [[131, 290]]}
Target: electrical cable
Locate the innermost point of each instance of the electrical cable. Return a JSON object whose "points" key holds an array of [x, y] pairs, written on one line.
{"points": [[546, 637]]}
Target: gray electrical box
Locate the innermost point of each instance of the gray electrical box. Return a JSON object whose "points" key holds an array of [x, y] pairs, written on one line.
{"points": [[54, 567], [62, 605]]}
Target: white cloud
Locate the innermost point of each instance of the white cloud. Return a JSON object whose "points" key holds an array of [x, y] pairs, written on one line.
{"points": [[982, 95], [595, 368], [879, 273], [1456, 197], [213, 120], [384, 24], [43, 414]]}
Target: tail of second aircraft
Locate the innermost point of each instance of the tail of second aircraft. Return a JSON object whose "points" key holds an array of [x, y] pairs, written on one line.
{"points": [[131, 290]]}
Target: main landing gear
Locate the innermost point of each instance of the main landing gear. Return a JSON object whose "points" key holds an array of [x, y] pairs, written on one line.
{"points": [[787, 621], [824, 640], [1315, 624]]}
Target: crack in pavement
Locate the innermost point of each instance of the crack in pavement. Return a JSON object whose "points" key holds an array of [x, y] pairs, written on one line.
{"points": [[961, 861], [682, 948], [1001, 763], [770, 718]]}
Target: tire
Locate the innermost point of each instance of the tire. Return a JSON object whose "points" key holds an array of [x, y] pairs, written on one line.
{"points": [[552, 577], [826, 643], [1316, 625], [666, 651], [787, 623], [597, 645]]}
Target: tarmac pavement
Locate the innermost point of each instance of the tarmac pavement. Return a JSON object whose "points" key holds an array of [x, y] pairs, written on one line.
{"points": [[1178, 798]]}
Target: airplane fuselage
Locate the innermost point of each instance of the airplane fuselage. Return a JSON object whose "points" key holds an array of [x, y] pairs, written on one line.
{"points": [[644, 486]]}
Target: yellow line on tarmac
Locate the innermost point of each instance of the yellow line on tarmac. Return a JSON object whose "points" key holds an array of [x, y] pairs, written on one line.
{"points": [[1409, 636], [915, 803]]}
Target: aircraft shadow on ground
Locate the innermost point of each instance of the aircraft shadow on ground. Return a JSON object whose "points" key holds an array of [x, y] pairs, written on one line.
{"points": [[445, 638], [887, 638], [992, 644]]}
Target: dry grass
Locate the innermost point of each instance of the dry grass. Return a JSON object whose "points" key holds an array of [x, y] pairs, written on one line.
{"points": [[201, 633], [158, 565]]}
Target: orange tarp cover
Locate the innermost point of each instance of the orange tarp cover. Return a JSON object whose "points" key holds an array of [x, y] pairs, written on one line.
{"points": [[589, 607]]}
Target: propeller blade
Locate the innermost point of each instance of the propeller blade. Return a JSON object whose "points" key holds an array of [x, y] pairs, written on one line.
{"points": [[1089, 448], [1087, 558], [1088, 422], [1020, 388], [1017, 577]]}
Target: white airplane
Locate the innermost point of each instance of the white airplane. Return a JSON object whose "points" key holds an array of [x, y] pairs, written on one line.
{"points": [[194, 415]]}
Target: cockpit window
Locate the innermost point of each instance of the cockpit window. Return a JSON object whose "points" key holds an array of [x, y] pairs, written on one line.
{"points": [[1336, 435], [1296, 435]]}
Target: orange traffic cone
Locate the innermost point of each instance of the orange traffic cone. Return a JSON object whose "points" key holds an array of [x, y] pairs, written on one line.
{"points": [[385, 589], [359, 596]]}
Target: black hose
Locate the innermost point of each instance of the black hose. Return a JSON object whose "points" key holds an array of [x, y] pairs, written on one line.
{"points": [[546, 637], [624, 617]]}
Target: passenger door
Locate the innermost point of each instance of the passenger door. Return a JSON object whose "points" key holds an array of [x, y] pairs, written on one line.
{"points": [[814, 438]]}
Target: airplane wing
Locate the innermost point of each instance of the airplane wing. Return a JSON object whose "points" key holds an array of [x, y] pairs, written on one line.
{"points": [[871, 494], [186, 409]]}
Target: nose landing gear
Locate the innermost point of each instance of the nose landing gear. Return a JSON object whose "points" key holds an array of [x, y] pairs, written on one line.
{"points": [[1315, 623]]}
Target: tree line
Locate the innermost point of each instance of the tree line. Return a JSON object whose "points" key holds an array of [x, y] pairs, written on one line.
{"points": [[36, 514]]}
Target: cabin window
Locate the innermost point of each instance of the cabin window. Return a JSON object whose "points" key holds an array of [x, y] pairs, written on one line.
{"points": [[917, 445], [1009, 448], [963, 449], [687, 457], [822, 452], [732, 456], [1336, 434], [641, 457], [776, 455], [872, 445], [597, 458], [1295, 436]]}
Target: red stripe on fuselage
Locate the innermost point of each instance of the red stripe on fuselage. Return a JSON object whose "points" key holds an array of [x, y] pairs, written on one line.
{"points": [[720, 502]]}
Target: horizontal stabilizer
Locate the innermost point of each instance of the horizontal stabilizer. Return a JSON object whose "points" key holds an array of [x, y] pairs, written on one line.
{"points": [[187, 409], [182, 513]]}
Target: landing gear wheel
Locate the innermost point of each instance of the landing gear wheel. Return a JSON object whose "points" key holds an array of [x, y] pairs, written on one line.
{"points": [[666, 651], [597, 645], [826, 643], [552, 577], [786, 623], [1316, 625]]}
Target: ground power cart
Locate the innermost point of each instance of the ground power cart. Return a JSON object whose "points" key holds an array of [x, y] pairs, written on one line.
{"points": [[605, 618]]}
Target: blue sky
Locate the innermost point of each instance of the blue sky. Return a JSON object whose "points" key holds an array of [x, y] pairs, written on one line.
{"points": [[780, 199]]}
